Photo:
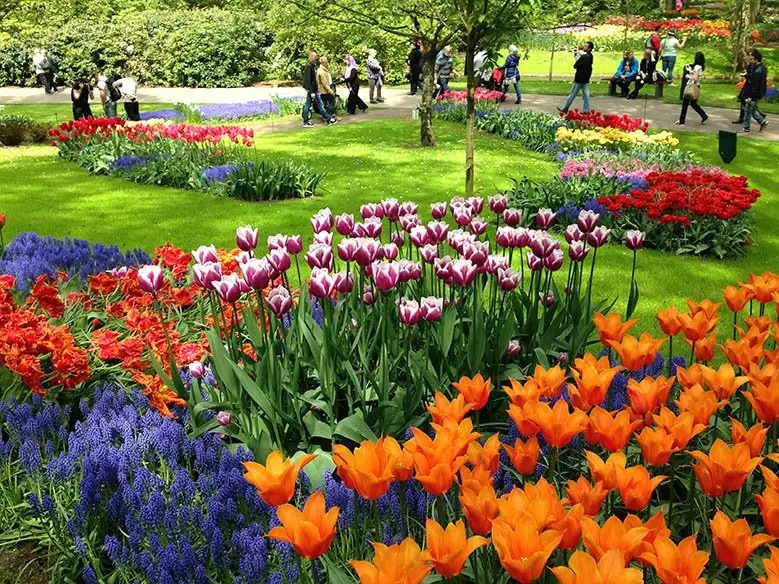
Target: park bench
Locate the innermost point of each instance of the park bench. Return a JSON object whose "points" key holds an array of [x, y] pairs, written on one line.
{"points": [[659, 87]]}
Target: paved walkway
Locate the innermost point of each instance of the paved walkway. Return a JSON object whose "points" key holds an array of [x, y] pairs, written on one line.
{"points": [[398, 104]]}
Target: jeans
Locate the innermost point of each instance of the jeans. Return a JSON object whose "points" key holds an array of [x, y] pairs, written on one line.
{"points": [[668, 67], [414, 79], [374, 86], [624, 85], [109, 108], [309, 105], [45, 80], [517, 90], [751, 112], [698, 109], [131, 109], [443, 82], [328, 99], [575, 89]]}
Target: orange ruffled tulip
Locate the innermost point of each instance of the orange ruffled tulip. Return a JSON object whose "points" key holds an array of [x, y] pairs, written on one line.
{"points": [[754, 437], [733, 540], [403, 461], [636, 353], [403, 563], [769, 509], [611, 328], [558, 424], [704, 349], [724, 469], [614, 535], [443, 409], [682, 428], [606, 472], [485, 457], [475, 390], [764, 398], [612, 430], [700, 403], [309, 531], [636, 486], [458, 435], [735, 298], [521, 393], [593, 379], [449, 549], [369, 470], [435, 462], [762, 287], [571, 528], [583, 569], [522, 417], [524, 455], [549, 381], [696, 326], [723, 381], [669, 321], [590, 497], [657, 446], [522, 551], [275, 480], [682, 564], [647, 395], [539, 500], [771, 567], [705, 306], [480, 506]]}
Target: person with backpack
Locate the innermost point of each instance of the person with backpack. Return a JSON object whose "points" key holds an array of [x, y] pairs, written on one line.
{"points": [[128, 90], [691, 89], [109, 95], [312, 93], [581, 80], [754, 90], [653, 44], [511, 71], [375, 77]]}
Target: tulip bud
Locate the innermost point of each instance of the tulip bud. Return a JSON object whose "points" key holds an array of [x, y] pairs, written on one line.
{"points": [[498, 203], [514, 348], [512, 217], [508, 279], [386, 275], [554, 261], [246, 237], [228, 288], [343, 282], [150, 278], [224, 418], [256, 273], [344, 224], [197, 369], [294, 244], [577, 251], [409, 311], [562, 358], [573, 233], [478, 225], [545, 218], [120, 272], [535, 263], [634, 239], [321, 283], [438, 210], [206, 274], [476, 204], [599, 236], [368, 296], [279, 301], [389, 251], [205, 254], [431, 308], [547, 299], [587, 220], [398, 238]]}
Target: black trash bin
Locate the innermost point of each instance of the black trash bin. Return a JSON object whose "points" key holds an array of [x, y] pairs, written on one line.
{"points": [[727, 145]]}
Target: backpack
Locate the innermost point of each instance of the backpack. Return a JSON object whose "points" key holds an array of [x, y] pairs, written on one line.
{"points": [[113, 92]]}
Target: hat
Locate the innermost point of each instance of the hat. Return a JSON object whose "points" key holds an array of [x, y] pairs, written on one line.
{"points": [[671, 33]]}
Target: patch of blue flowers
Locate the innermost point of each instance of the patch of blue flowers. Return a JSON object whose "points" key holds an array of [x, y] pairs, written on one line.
{"points": [[569, 212]]}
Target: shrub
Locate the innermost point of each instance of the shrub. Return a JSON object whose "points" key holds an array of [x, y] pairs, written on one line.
{"points": [[263, 181], [14, 129]]}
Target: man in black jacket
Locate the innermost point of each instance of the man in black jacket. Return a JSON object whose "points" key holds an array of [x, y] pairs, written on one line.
{"points": [[312, 93], [581, 80], [414, 61], [754, 90]]}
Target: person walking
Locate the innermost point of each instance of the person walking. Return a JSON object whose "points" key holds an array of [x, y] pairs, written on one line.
{"points": [[511, 73], [312, 93], [324, 83], [44, 69], [444, 68], [129, 94], [581, 80], [754, 90], [626, 72], [352, 80], [691, 89], [741, 99], [646, 72], [375, 77], [80, 94], [668, 50], [414, 64]]}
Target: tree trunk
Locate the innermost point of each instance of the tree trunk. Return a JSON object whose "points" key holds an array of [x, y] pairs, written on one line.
{"points": [[427, 138], [551, 56], [470, 108]]}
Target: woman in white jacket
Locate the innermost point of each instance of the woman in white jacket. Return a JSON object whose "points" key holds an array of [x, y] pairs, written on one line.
{"points": [[375, 77]]}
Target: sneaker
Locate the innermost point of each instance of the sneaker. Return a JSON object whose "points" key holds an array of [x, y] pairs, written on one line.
{"points": [[332, 121], [372, 101], [747, 130], [380, 100], [763, 125], [704, 120], [678, 123], [561, 110], [308, 125]]}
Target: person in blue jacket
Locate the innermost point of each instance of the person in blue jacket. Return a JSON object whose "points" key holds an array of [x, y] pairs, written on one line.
{"points": [[626, 72], [511, 73]]}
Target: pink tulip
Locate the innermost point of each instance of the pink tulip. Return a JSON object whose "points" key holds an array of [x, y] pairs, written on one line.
{"points": [[256, 273], [197, 369], [554, 261], [385, 275], [545, 218], [150, 278], [205, 274], [344, 224], [224, 418], [437, 231], [324, 238], [573, 233], [514, 348], [294, 244], [535, 263], [243, 286], [512, 217], [599, 236], [372, 227], [277, 241], [438, 210], [347, 249], [408, 208], [246, 237], [508, 279], [320, 256], [418, 236], [228, 288], [408, 222], [578, 250], [505, 236], [498, 203], [279, 301], [431, 308], [321, 283], [279, 260], [521, 237], [358, 231], [587, 220], [478, 225], [243, 257], [119, 272], [409, 311], [496, 263], [462, 215], [389, 251], [634, 239], [371, 210], [409, 271], [368, 295], [547, 299], [391, 209], [463, 272], [477, 252], [476, 204], [367, 251], [322, 221], [443, 267], [205, 254], [398, 238], [343, 282], [429, 253], [458, 239], [543, 244]]}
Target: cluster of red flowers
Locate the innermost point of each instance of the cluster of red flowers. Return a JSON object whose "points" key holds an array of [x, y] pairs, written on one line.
{"points": [[42, 354], [480, 94], [103, 128], [673, 197], [599, 120], [689, 25]]}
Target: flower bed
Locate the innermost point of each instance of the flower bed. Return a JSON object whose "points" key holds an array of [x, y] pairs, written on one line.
{"points": [[596, 119], [480, 94], [612, 138], [694, 27], [227, 112]]}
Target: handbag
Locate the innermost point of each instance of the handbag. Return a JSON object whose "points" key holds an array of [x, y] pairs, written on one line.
{"points": [[692, 92]]}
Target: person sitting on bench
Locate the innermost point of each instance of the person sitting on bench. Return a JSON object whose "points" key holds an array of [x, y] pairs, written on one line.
{"points": [[626, 72], [646, 71]]}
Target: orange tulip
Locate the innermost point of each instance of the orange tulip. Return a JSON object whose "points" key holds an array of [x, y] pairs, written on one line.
{"points": [[583, 569], [485, 457], [735, 298], [403, 563], [762, 287], [275, 481], [647, 395], [593, 379], [558, 424], [611, 328], [669, 321], [403, 460], [656, 529], [733, 540], [539, 500], [522, 551], [769, 509], [309, 531], [771, 567], [724, 469], [704, 349], [682, 564], [475, 477], [636, 486], [723, 381], [475, 390], [480, 506], [521, 416], [614, 535], [696, 326], [754, 437], [695, 373], [571, 528], [590, 497], [764, 398], [521, 393], [458, 435], [706, 306], [449, 549], [435, 462], [682, 427], [606, 472], [550, 381], [761, 374], [612, 430], [524, 455], [369, 470], [700, 403], [636, 353], [444, 409], [747, 350], [761, 324], [770, 478], [657, 446]]}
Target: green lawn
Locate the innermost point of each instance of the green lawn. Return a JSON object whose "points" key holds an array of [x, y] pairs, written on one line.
{"points": [[365, 162], [55, 113]]}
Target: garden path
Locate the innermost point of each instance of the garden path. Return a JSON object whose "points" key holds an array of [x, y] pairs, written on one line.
{"points": [[399, 104]]}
